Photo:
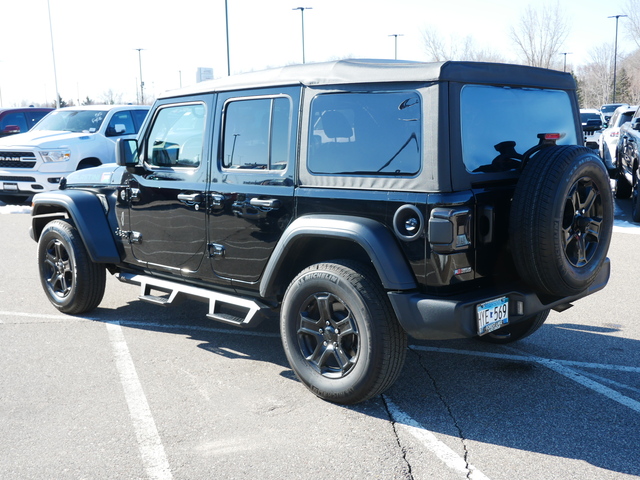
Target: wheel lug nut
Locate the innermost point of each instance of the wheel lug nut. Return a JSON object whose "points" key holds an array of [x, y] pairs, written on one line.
{"points": [[321, 331], [325, 343], [327, 323]]}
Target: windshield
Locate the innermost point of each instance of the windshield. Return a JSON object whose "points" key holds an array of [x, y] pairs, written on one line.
{"points": [[610, 108], [88, 121], [500, 124]]}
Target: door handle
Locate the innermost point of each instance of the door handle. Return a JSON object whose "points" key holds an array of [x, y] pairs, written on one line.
{"points": [[190, 197], [265, 203]]}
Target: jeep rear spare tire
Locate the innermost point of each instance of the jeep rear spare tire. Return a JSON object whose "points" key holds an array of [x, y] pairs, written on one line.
{"points": [[561, 220], [340, 334]]}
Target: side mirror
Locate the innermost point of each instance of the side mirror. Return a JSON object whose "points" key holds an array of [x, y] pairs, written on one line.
{"points": [[127, 152], [635, 123]]}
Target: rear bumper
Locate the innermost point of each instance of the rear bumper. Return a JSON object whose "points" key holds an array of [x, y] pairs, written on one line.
{"points": [[442, 318]]}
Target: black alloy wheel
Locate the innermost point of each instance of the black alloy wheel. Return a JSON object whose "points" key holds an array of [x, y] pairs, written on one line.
{"points": [[561, 220], [74, 284], [340, 333]]}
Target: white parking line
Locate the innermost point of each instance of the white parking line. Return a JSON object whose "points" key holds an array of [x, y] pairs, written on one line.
{"points": [[558, 367], [450, 458], [152, 452]]}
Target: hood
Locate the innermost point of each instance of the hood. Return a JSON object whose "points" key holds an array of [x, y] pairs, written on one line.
{"points": [[44, 138]]}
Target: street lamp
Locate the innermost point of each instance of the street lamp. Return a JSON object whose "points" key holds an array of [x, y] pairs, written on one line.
{"points": [[141, 82], [302, 9], [396, 35], [615, 56], [226, 20], [53, 54], [565, 60]]}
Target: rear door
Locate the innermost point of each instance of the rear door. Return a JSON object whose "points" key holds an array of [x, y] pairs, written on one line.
{"points": [[252, 180]]}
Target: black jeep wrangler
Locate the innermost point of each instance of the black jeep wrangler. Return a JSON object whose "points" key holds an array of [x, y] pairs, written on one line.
{"points": [[363, 200]]}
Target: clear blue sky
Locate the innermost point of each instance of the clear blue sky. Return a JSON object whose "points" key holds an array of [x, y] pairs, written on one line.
{"points": [[95, 42]]}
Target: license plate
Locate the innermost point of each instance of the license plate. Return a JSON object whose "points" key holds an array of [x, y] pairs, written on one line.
{"points": [[492, 315], [13, 187]]}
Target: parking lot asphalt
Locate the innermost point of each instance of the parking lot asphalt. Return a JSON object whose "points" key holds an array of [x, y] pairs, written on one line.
{"points": [[134, 390]]}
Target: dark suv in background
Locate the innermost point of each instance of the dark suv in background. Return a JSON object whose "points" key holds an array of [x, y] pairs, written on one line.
{"points": [[20, 120], [362, 200]]}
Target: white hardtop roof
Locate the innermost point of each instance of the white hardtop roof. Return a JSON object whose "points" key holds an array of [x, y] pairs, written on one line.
{"points": [[359, 71]]}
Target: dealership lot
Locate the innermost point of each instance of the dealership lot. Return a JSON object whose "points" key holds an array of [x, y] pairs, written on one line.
{"points": [[137, 391]]}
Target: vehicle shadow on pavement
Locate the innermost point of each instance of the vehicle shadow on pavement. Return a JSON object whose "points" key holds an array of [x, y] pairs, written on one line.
{"points": [[583, 406]]}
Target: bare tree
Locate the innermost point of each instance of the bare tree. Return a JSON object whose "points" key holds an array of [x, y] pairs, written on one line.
{"points": [[540, 35], [631, 66], [596, 78], [111, 98], [440, 48], [632, 27]]}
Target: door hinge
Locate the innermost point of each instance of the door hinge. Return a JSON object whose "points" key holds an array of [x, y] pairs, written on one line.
{"points": [[133, 237], [215, 250]]}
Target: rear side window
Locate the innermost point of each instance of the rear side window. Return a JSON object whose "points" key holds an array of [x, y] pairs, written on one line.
{"points": [[499, 124], [256, 134], [365, 134]]}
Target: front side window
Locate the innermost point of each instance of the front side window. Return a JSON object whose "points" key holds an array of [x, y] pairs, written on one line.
{"points": [[120, 124], [499, 124], [176, 137], [256, 134], [365, 134]]}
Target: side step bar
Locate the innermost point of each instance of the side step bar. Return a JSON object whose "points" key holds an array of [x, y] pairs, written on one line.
{"points": [[238, 311]]}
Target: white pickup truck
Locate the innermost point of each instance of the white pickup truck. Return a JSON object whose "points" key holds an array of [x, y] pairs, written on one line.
{"points": [[66, 140]]}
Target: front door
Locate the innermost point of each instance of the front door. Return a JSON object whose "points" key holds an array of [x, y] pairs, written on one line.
{"points": [[167, 193], [253, 180]]}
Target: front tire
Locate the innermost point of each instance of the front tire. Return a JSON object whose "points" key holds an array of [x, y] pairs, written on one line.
{"points": [[74, 284], [340, 333]]}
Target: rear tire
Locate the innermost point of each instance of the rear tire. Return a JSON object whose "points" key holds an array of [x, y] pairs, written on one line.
{"points": [[73, 283], [340, 333]]}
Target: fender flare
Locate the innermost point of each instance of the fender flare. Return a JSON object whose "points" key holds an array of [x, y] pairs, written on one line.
{"points": [[87, 213], [376, 240]]}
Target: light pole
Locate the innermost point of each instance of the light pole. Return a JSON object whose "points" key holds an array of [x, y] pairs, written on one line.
{"points": [[141, 82], [565, 60], [615, 56], [396, 35], [226, 19], [302, 9], [53, 54]]}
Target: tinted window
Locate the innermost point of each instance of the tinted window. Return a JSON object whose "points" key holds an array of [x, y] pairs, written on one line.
{"points": [[120, 124], [34, 117], [256, 134], [365, 133], [138, 118], [176, 137], [500, 124], [14, 119], [624, 118]]}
